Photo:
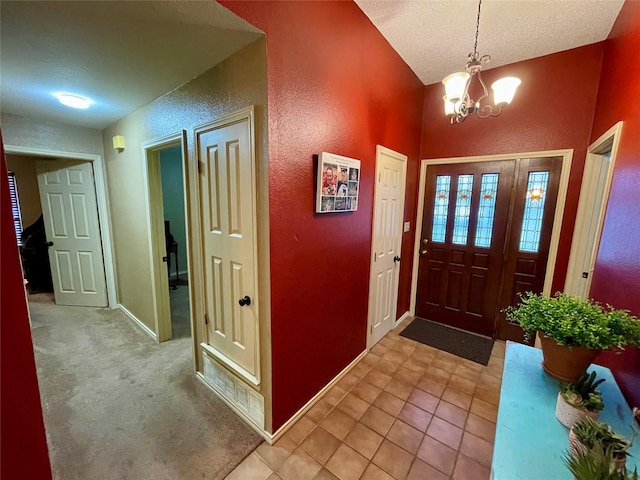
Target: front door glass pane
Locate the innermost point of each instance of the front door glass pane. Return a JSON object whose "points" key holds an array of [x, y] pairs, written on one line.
{"points": [[441, 208], [463, 209], [533, 211], [486, 209]]}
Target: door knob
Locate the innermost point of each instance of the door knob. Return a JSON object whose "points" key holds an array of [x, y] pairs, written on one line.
{"points": [[423, 252], [49, 244], [396, 259], [425, 241], [246, 300]]}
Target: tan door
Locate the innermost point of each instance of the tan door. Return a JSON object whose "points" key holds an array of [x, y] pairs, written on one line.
{"points": [[227, 206], [486, 234], [386, 243], [70, 212]]}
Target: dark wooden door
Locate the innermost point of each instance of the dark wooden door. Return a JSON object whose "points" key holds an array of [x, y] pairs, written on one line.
{"points": [[463, 233], [527, 246], [486, 233]]}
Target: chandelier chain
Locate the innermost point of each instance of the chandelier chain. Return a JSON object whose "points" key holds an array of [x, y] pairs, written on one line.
{"points": [[475, 45]]}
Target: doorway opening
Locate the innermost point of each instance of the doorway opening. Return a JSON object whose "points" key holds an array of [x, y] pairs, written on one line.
{"points": [[65, 236], [594, 194], [490, 230], [169, 236]]}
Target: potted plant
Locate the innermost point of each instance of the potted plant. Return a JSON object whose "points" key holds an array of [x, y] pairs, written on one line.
{"points": [[588, 433], [573, 331], [595, 464], [579, 399]]}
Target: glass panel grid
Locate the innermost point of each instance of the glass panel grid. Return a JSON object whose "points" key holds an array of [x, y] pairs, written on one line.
{"points": [[486, 209], [441, 208], [463, 210], [533, 211]]}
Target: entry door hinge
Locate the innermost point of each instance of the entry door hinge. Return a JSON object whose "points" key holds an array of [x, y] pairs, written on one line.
{"points": [[371, 330], [200, 167], [206, 319]]}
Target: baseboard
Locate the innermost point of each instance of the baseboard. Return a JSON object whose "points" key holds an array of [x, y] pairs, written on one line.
{"points": [[404, 316], [263, 433], [272, 438], [138, 322]]}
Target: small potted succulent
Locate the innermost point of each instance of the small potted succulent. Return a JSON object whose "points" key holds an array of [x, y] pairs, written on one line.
{"points": [[595, 464], [579, 399], [573, 331], [588, 433]]}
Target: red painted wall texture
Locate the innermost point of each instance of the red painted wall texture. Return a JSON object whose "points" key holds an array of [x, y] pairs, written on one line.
{"points": [[24, 446], [553, 109], [616, 278], [334, 85]]}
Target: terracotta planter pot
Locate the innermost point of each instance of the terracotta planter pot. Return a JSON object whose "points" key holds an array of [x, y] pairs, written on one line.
{"points": [[565, 363]]}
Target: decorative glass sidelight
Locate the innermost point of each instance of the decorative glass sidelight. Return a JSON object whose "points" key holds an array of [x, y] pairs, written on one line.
{"points": [[486, 209], [463, 210], [533, 211], [441, 208]]}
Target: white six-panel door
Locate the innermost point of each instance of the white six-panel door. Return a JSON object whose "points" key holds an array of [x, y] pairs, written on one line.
{"points": [[388, 214], [227, 209], [70, 212]]}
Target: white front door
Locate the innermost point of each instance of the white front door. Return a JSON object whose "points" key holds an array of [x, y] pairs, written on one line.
{"points": [[388, 214], [227, 208], [70, 212]]}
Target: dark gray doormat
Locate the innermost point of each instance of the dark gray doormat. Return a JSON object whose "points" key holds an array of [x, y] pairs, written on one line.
{"points": [[463, 344]]}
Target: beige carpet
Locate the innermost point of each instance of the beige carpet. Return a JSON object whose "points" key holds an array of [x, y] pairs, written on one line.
{"points": [[119, 406]]}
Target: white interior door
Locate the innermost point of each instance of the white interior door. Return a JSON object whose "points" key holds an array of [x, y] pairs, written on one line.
{"points": [[388, 214], [591, 208], [227, 209], [70, 212]]}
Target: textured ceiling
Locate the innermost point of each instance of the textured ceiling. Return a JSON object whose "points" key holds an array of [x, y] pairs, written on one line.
{"points": [[124, 54], [120, 54], [434, 37]]}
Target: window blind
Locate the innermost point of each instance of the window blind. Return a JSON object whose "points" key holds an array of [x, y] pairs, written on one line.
{"points": [[15, 206]]}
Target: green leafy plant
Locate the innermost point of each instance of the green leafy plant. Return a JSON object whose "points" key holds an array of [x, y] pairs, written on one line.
{"points": [[596, 464], [593, 434], [583, 393], [575, 322]]}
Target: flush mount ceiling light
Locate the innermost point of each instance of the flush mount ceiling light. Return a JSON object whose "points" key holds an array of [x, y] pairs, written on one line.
{"points": [[458, 104], [73, 101]]}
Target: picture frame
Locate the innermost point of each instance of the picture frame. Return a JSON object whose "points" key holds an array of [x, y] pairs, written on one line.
{"points": [[338, 185]]}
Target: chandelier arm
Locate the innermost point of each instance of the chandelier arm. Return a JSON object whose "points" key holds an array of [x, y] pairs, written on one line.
{"points": [[484, 87], [486, 111]]}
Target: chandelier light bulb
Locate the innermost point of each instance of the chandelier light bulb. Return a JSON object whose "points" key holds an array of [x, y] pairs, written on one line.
{"points": [[455, 85], [504, 90]]}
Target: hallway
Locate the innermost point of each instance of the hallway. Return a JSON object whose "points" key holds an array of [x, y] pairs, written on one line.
{"points": [[405, 411], [117, 405]]}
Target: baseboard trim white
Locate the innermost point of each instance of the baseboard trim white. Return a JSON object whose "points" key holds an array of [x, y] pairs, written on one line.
{"points": [[272, 438], [138, 322], [404, 316], [263, 433]]}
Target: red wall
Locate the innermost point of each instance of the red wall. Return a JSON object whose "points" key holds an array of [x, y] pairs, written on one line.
{"points": [[334, 85], [552, 109], [24, 446], [616, 278]]}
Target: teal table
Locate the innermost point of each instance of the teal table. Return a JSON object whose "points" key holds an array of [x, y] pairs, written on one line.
{"points": [[530, 442]]}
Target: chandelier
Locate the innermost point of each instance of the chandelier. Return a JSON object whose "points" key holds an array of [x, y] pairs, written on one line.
{"points": [[458, 104]]}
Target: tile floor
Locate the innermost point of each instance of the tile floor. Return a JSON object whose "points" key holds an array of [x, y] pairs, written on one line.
{"points": [[405, 411]]}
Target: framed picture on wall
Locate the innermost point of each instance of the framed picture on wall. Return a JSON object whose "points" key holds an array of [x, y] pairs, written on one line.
{"points": [[338, 183]]}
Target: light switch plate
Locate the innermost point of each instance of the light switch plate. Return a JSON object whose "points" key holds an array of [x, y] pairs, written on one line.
{"points": [[407, 226]]}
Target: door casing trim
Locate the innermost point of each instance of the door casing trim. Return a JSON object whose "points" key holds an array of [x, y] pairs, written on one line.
{"points": [[152, 184], [102, 199], [614, 134], [567, 160]]}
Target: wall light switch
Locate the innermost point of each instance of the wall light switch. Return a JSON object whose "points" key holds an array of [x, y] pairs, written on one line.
{"points": [[407, 226]]}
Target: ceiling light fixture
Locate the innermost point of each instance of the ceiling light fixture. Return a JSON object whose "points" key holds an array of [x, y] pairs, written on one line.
{"points": [[458, 104], [73, 101]]}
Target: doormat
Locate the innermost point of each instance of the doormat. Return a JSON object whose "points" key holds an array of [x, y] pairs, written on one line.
{"points": [[463, 344]]}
